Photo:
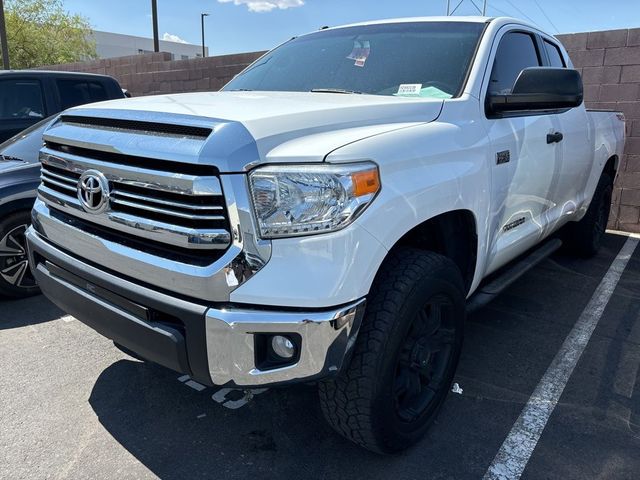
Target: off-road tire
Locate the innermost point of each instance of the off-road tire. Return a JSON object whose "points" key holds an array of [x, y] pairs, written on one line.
{"points": [[584, 238], [361, 403], [16, 280]]}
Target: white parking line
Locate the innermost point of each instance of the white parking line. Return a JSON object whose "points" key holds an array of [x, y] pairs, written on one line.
{"points": [[515, 452], [186, 379], [221, 395], [247, 395], [195, 385]]}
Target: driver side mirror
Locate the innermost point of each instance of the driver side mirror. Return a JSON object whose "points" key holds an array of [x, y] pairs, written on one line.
{"points": [[540, 88]]}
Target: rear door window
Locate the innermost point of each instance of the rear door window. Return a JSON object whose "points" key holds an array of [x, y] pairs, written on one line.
{"points": [[555, 57], [78, 92], [21, 100], [517, 51]]}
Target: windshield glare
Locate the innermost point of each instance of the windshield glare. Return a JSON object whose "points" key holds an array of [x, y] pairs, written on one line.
{"points": [[418, 59]]}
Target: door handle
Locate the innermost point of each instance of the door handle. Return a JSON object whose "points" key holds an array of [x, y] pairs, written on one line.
{"points": [[554, 137]]}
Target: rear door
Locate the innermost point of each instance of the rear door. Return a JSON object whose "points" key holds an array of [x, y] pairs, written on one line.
{"points": [[22, 104], [525, 167], [577, 146]]}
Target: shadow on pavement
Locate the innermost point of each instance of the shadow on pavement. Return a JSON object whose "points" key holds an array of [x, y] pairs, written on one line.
{"points": [[178, 432], [27, 311]]}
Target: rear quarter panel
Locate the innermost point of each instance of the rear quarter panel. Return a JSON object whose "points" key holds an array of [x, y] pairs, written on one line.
{"points": [[608, 134]]}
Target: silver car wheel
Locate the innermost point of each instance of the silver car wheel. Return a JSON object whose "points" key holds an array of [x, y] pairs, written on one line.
{"points": [[14, 264]]}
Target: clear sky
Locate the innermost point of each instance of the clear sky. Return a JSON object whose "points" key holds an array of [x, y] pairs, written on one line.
{"points": [[248, 25]]}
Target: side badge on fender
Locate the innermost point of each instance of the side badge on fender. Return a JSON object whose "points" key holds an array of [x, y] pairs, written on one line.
{"points": [[503, 157]]}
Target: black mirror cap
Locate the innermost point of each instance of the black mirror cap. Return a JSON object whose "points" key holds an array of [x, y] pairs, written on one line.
{"points": [[548, 80], [541, 88]]}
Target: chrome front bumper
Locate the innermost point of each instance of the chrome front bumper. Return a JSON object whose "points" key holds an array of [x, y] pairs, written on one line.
{"points": [[214, 345], [326, 339]]}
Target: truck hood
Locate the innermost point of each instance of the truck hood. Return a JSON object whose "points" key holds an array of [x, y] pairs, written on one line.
{"points": [[250, 127]]}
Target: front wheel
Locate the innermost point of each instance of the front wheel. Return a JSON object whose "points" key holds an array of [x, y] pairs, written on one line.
{"points": [[16, 280], [405, 356]]}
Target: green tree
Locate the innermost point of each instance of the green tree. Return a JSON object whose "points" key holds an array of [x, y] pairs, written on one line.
{"points": [[41, 32]]}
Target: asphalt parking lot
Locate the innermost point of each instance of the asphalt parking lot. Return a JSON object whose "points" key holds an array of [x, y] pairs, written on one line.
{"points": [[73, 406]]}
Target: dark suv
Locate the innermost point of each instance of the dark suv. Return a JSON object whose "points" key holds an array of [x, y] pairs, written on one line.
{"points": [[28, 96], [27, 102]]}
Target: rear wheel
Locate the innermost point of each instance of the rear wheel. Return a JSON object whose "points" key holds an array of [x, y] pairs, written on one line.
{"points": [[584, 238], [405, 355], [16, 280]]}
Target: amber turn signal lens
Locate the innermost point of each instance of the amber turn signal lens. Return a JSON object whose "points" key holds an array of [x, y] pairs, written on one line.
{"points": [[366, 182]]}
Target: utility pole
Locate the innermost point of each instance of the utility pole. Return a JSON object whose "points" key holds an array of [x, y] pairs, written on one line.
{"points": [[202, 15], [3, 38], [484, 7], [154, 15]]}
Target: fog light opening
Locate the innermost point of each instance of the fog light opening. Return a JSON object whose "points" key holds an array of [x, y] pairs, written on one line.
{"points": [[276, 350], [283, 347]]}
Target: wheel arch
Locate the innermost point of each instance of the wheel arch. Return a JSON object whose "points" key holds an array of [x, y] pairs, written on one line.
{"points": [[16, 205], [611, 166], [453, 234]]}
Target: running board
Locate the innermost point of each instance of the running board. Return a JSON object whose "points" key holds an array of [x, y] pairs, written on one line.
{"points": [[486, 293]]}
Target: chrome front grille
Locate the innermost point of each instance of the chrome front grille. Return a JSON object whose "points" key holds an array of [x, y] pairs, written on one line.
{"points": [[200, 212], [180, 208], [170, 221], [59, 180]]}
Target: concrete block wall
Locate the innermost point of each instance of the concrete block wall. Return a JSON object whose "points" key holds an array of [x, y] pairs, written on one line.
{"points": [[158, 73], [610, 66]]}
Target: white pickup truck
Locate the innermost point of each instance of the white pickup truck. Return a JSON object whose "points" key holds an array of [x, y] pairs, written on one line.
{"points": [[332, 214]]}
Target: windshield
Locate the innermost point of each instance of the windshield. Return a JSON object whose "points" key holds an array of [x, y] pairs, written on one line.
{"points": [[419, 59]]}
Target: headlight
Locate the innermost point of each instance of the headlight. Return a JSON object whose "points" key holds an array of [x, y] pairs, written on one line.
{"points": [[292, 200]]}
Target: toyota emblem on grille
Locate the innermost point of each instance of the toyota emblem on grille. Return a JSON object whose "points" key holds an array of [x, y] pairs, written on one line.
{"points": [[93, 191]]}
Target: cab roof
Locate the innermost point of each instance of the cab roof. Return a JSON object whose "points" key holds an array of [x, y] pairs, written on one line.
{"points": [[443, 18]]}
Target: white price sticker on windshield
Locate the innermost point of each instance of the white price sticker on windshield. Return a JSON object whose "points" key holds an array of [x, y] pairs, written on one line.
{"points": [[409, 89]]}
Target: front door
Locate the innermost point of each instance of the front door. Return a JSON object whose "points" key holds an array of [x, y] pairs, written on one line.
{"points": [[526, 168]]}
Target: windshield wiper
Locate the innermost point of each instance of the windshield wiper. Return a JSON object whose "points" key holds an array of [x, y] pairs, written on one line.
{"points": [[239, 90], [335, 90]]}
